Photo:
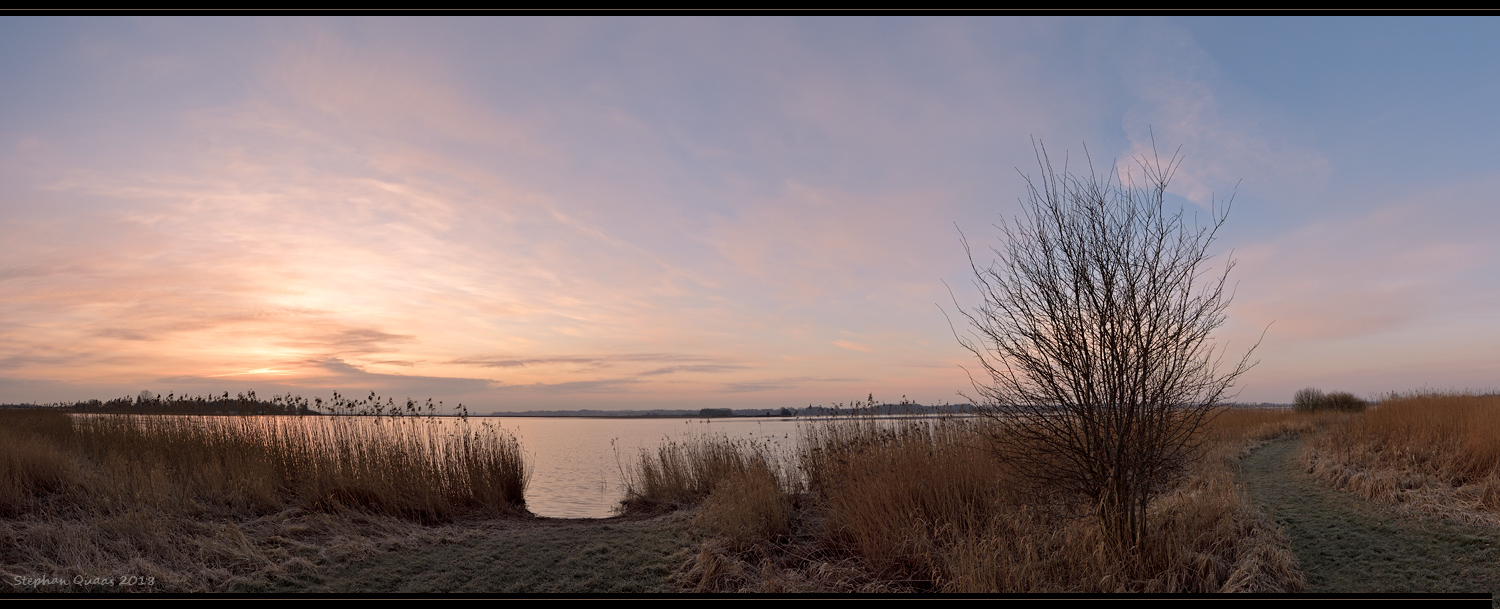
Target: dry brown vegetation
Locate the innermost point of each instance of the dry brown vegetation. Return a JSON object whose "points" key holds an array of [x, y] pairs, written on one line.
{"points": [[862, 505], [1093, 337], [1313, 400], [1426, 451], [684, 473], [924, 505], [214, 503]]}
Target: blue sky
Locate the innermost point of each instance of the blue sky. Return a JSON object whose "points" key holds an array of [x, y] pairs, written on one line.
{"points": [[683, 212]]}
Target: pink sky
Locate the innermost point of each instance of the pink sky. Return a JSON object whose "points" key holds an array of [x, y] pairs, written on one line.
{"points": [[681, 213]]}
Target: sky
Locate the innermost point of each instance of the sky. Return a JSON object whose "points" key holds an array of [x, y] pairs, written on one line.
{"points": [[627, 213]]}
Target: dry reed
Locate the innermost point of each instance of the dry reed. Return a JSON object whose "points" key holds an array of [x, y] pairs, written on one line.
{"points": [[683, 473], [209, 503], [924, 505], [1437, 452]]}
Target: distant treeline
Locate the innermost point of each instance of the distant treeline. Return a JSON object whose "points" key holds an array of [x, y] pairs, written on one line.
{"points": [[904, 408], [702, 413], [248, 403], [857, 408]]}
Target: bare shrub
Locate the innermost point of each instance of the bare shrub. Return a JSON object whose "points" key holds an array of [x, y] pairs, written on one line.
{"points": [[1093, 339], [1308, 400], [1313, 400], [1208, 538], [923, 505], [1343, 401]]}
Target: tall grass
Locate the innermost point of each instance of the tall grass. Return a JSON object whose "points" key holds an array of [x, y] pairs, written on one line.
{"points": [[924, 505], [927, 503], [889, 489], [1439, 449], [426, 469], [36, 456], [682, 473], [203, 503], [744, 488]]}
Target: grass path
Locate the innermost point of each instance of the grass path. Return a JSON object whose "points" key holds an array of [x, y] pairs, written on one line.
{"points": [[1346, 544], [544, 555]]}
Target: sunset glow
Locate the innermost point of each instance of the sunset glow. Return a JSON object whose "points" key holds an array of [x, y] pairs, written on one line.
{"points": [[565, 213]]}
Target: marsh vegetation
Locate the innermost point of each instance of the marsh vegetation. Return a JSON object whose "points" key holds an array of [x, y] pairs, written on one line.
{"points": [[203, 502], [920, 504], [880, 505], [1426, 451]]}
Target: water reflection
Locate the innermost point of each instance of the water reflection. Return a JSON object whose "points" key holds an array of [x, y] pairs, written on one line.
{"points": [[577, 462]]}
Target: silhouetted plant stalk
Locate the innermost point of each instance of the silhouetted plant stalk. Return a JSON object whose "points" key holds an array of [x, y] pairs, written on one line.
{"points": [[247, 403]]}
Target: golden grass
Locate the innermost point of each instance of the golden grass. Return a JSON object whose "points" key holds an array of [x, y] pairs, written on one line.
{"points": [[1437, 452], [426, 469], [192, 501], [683, 473], [33, 457], [888, 488], [748, 507], [923, 505]]}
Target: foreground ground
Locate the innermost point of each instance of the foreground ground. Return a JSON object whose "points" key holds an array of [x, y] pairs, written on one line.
{"points": [[916, 507], [1346, 544], [543, 555], [354, 553], [1342, 542]]}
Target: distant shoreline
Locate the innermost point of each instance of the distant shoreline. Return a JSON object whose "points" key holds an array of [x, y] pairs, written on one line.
{"points": [[813, 413]]}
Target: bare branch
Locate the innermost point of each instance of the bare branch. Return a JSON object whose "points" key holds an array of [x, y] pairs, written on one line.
{"points": [[1093, 337]]}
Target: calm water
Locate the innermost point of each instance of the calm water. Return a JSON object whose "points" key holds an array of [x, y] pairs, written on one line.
{"points": [[576, 462]]}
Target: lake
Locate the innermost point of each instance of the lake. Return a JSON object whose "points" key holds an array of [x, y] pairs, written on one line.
{"points": [[576, 461]]}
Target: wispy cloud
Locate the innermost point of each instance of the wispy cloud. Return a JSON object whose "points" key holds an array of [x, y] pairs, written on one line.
{"points": [[697, 368], [598, 361], [779, 384], [333, 374], [1182, 101], [587, 213], [602, 386], [851, 345]]}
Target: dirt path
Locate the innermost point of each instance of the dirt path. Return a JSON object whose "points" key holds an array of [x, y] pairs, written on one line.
{"points": [[1347, 544], [544, 555]]}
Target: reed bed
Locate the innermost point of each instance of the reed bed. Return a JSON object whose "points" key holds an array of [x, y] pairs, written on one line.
{"points": [[194, 501], [1437, 452], [924, 505], [684, 473], [424, 469]]}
